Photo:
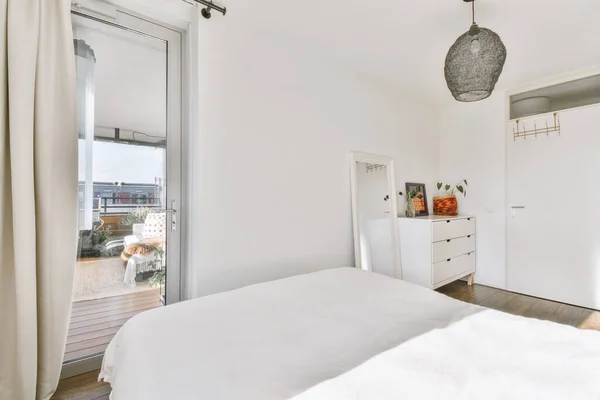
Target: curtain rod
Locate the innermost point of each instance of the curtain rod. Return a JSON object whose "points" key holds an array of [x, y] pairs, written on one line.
{"points": [[209, 5]]}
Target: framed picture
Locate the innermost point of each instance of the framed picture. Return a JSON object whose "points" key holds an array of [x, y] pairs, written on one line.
{"points": [[419, 199]]}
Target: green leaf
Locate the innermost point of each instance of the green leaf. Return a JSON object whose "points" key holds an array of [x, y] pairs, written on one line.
{"points": [[439, 185], [466, 183], [461, 189], [465, 193], [447, 187]]}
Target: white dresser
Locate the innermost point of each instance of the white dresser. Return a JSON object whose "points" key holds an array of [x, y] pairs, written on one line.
{"points": [[437, 250]]}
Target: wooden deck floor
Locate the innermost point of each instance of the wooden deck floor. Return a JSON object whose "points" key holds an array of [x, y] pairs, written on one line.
{"points": [[94, 322]]}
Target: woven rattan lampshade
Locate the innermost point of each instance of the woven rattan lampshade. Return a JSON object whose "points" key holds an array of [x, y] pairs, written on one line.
{"points": [[474, 64]]}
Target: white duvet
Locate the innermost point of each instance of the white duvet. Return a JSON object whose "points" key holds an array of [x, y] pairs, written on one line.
{"points": [[346, 334], [273, 340], [489, 355]]}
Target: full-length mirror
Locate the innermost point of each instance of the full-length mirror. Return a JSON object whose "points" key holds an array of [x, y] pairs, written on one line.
{"points": [[376, 243]]}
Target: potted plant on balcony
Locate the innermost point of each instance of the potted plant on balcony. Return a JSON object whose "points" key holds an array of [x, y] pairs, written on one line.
{"points": [[158, 269], [448, 204], [136, 216]]}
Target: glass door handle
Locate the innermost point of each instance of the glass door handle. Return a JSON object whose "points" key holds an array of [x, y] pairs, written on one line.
{"points": [[173, 212]]}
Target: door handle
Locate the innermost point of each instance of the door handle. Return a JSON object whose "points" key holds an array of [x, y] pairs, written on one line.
{"points": [[173, 212], [514, 209]]}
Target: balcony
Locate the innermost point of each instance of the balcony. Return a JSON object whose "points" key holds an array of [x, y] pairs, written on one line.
{"points": [[102, 301]]}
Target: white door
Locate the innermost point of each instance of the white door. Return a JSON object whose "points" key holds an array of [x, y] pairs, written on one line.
{"points": [[553, 220], [130, 132]]}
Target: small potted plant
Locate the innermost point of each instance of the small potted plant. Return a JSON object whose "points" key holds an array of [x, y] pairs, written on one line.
{"points": [[447, 204], [158, 277]]}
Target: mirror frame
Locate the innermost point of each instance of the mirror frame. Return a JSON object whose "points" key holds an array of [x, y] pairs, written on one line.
{"points": [[391, 176]]}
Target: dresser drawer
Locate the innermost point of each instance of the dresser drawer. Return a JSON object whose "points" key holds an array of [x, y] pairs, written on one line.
{"points": [[452, 228], [447, 269], [450, 248]]}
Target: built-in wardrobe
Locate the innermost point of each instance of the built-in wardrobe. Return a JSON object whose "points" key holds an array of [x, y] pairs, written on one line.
{"points": [[553, 193]]}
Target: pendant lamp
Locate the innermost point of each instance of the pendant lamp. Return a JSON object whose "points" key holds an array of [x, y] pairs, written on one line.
{"points": [[474, 63]]}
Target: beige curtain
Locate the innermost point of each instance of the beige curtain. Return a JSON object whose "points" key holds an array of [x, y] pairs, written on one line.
{"points": [[38, 193]]}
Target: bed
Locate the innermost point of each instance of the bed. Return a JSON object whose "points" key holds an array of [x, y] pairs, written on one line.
{"points": [[311, 336]]}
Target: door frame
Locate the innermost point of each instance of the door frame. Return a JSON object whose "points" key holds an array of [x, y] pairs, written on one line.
{"points": [[179, 117]]}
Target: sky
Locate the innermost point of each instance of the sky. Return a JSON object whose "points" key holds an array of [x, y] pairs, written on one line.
{"points": [[115, 162]]}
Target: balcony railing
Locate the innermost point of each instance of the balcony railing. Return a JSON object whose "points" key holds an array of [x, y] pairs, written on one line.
{"points": [[115, 205]]}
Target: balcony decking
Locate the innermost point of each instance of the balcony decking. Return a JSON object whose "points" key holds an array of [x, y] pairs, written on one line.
{"points": [[94, 322]]}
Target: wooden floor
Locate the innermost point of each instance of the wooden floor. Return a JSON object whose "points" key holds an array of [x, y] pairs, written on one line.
{"points": [[82, 387], [86, 387], [94, 322], [526, 306]]}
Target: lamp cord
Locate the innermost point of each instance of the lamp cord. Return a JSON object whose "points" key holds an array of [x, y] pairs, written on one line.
{"points": [[473, 10]]}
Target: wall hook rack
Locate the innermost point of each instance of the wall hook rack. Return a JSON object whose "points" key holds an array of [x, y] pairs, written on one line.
{"points": [[535, 132], [374, 167]]}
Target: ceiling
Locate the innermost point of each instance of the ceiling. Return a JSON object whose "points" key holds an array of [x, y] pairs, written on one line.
{"points": [[403, 43]]}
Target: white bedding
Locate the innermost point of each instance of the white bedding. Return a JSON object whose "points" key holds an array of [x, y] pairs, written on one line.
{"points": [[489, 355], [273, 340]]}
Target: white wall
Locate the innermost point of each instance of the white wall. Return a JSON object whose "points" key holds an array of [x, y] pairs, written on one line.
{"points": [[473, 146], [277, 121]]}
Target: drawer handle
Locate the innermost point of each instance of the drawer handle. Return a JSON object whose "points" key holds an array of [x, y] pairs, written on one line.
{"points": [[448, 221], [448, 260], [468, 219], [448, 240], [468, 236]]}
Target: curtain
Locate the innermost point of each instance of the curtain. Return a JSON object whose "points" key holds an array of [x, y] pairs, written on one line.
{"points": [[38, 193]]}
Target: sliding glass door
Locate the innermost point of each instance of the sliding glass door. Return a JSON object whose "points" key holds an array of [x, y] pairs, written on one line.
{"points": [[129, 103]]}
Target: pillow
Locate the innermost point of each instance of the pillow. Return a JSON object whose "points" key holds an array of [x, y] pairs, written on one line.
{"points": [[155, 225]]}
